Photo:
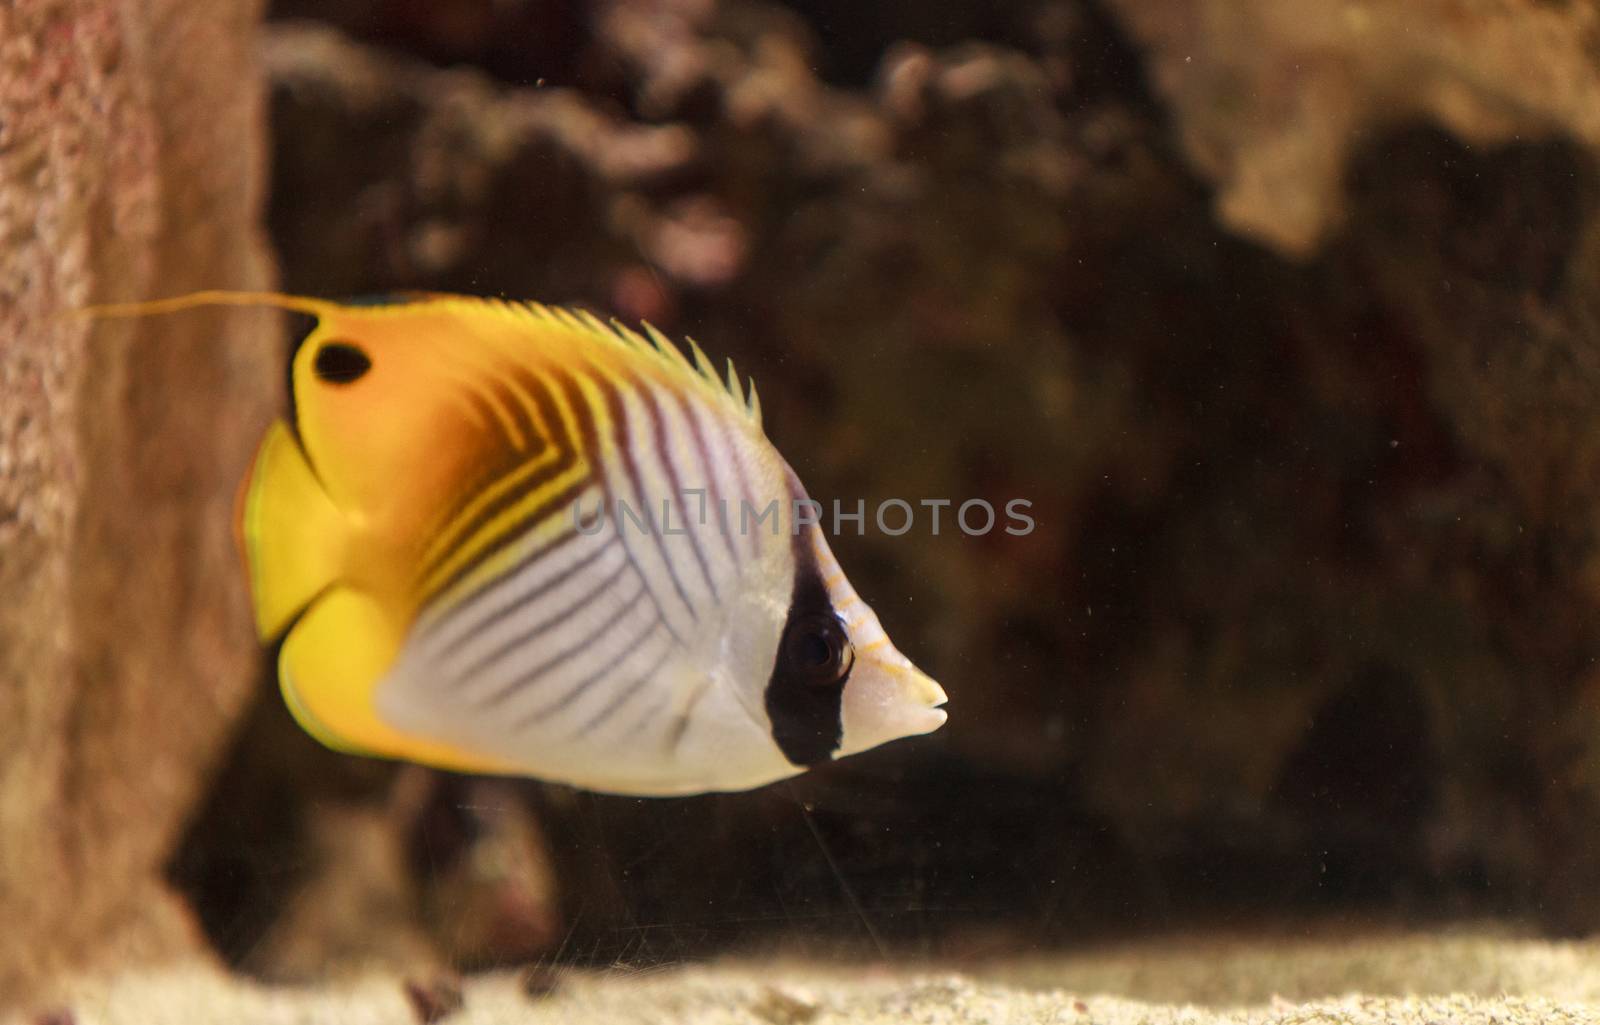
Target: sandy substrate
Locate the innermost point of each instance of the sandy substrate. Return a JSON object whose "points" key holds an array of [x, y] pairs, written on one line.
{"points": [[1462, 977]]}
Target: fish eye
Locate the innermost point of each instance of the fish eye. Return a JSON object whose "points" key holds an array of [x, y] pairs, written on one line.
{"points": [[340, 363], [819, 651]]}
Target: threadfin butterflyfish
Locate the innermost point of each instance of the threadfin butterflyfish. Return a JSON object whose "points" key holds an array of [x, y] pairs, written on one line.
{"points": [[511, 538]]}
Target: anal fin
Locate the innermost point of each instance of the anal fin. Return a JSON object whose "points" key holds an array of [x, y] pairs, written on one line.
{"points": [[330, 666]]}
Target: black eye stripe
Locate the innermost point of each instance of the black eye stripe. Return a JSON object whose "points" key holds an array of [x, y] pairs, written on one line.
{"points": [[804, 697], [340, 363]]}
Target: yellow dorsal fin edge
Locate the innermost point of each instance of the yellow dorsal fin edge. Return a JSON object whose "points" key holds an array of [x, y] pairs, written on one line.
{"points": [[652, 344]]}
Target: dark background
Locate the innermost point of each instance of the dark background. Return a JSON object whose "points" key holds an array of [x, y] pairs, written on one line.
{"points": [[1306, 624]]}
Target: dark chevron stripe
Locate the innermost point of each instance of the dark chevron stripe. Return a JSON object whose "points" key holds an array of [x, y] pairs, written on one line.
{"points": [[744, 488], [559, 502], [485, 516], [651, 714], [584, 684], [545, 411], [622, 435], [591, 445], [664, 457], [517, 601], [522, 417], [626, 694], [691, 413], [565, 654], [549, 622], [591, 442], [483, 408], [653, 599], [589, 437], [478, 597]]}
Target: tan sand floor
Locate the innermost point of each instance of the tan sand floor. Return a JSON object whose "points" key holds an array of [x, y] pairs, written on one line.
{"points": [[1471, 976]]}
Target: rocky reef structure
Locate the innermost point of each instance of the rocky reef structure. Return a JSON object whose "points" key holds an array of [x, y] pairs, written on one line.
{"points": [[131, 165]]}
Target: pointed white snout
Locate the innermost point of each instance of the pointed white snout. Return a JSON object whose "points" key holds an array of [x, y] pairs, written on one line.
{"points": [[887, 698]]}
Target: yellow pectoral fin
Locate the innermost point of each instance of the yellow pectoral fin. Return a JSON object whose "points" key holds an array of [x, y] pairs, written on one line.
{"points": [[335, 656]]}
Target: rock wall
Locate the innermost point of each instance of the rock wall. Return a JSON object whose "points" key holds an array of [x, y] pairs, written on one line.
{"points": [[131, 166]]}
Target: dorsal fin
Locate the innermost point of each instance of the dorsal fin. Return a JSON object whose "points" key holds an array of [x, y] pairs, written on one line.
{"points": [[654, 345], [700, 372]]}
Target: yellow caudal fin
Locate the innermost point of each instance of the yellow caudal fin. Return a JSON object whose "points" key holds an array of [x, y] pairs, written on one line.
{"points": [[292, 534]]}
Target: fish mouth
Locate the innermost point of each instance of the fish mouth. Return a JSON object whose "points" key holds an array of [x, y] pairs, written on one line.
{"points": [[933, 718], [888, 698], [927, 700], [931, 692]]}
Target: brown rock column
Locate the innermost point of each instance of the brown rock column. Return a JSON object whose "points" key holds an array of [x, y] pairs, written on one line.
{"points": [[131, 166]]}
